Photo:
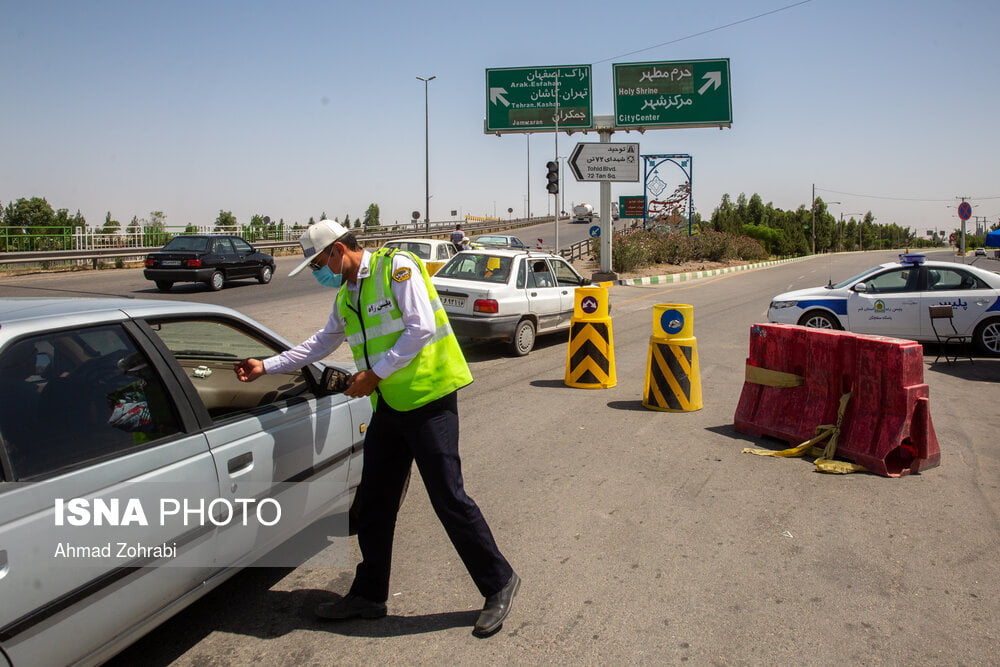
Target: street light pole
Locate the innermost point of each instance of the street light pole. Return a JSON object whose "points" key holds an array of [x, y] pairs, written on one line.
{"points": [[427, 157]]}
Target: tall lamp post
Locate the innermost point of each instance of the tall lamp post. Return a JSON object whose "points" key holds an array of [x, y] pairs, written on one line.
{"points": [[842, 214], [427, 158]]}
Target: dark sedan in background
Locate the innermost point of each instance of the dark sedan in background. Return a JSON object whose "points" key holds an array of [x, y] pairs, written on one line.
{"points": [[207, 258]]}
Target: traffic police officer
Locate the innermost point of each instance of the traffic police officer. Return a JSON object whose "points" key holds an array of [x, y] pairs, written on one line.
{"points": [[412, 366]]}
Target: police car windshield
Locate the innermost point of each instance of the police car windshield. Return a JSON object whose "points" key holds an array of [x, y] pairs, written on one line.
{"points": [[852, 279]]}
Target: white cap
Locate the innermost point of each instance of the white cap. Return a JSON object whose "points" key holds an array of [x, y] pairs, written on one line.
{"points": [[316, 239]]}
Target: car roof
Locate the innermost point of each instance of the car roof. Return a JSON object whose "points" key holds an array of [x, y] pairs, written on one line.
{"points": [[935, 264], [509, 252], [417, 240], [20, 315]]}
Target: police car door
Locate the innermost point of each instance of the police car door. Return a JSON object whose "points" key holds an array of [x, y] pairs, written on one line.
{"points": [[888, 304], [968, 296]]}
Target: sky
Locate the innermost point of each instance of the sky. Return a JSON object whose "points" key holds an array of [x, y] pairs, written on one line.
{"points": [[296, 109]]}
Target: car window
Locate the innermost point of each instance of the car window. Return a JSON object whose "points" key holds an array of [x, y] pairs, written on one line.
{"points": [[222, 247], [444, 251], [540, 275], [516, 242], [194, 243], [207, 350], [895, 280], [565, 275], [463, 266], [493, 269], [75, 396], [242, 246], [521, 275], [950, 279]]}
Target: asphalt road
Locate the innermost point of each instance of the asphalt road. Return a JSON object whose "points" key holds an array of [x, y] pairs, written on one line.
{"points": [[640, 536]]}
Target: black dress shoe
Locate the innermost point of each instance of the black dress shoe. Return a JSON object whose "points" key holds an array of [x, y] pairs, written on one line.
{"points": [[496, 608], [351, 606]]}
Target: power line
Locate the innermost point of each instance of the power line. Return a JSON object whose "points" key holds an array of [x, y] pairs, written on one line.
{"points": [[949, 200], [705, 32]]}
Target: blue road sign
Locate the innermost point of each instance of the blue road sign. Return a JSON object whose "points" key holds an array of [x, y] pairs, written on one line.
{"points": [[965, 210], [595, 231]]}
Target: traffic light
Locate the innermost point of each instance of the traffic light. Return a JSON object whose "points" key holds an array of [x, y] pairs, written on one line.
{"points": [[552, 176]]}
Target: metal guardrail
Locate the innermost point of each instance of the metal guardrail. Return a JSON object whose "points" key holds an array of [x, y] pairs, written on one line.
{"points": [[95, 257]]}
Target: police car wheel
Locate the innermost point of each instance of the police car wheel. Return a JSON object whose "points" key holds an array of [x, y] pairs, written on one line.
{"points": [[817, 319], [987, 337]]}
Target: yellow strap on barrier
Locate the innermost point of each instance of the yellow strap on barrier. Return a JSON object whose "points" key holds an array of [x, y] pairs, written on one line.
{"points": [[769, 378], [828, 432]]}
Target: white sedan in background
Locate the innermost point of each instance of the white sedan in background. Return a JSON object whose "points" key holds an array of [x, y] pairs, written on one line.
{"points": [[892, 299]]}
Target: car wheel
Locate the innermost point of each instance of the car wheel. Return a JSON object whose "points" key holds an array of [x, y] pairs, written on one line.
{"points": [[164, 285], [355, 512], [265, 274], [817, 319], [987, 337], [216, 282], [524, 338]]}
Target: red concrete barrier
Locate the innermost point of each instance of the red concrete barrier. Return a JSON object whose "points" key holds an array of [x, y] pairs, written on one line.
{"points": [[887, 427], [796, 377], [816, 356]]}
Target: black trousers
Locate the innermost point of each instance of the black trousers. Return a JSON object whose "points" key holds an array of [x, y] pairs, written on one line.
{"points": [[429, 436]]}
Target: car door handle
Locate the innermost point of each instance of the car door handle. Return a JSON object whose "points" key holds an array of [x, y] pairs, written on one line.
{"points": [[910, 303], [240, 463]]}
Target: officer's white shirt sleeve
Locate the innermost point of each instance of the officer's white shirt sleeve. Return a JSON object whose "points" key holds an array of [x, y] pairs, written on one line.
{"points": [[418, 316], [316, 347]]}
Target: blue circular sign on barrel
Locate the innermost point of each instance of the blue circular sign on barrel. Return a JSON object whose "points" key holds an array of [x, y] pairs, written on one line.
{"points": [[672, 321], [588, 304], [595, 231], [965, 210]]}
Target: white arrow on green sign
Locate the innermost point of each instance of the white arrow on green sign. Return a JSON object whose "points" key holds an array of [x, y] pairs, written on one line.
{"points": [[680, 93], [524, 99]]}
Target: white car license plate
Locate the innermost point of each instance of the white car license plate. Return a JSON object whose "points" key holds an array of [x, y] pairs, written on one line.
{"points": [[170, 262], [453, 301]]}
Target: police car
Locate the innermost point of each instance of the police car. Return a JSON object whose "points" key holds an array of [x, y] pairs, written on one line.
{"points": [[892, 299]]}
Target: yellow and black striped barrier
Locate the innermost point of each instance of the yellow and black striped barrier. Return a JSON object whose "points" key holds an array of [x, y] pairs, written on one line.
{"points": [[590, 358], [673, 380]]}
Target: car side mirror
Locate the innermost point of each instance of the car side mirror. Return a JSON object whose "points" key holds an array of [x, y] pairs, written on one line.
{"points": [[334, 380], [860, 287]]}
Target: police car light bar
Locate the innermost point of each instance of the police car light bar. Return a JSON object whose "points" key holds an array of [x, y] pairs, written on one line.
{"points": [[911, 258]]}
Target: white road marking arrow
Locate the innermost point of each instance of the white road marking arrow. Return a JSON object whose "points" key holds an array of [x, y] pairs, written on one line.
{"points": [[713, 78], [497, 94]]}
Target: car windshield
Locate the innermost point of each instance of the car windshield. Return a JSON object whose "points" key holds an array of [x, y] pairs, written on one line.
{"points": [[852, 279], [421, 250], [491, 240], [477, 266], [199, 243]]}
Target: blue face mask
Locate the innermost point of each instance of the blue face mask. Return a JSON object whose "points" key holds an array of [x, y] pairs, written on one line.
{"points": [[327, 278]]}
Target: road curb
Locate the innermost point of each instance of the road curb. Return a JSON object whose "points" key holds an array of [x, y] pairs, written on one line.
{"points": [[692, 275]]}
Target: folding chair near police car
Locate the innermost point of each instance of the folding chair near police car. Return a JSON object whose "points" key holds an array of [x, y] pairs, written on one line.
{"points": [[944, 338]]}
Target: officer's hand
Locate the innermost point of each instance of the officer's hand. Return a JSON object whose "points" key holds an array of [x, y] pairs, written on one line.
{"points": [[362, 384], [249, 370]]}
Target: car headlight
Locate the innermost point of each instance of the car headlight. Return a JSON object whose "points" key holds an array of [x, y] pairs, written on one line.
{"points": [[784, 304]]}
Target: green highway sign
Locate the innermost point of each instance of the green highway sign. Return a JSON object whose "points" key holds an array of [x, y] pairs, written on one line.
{"points": [[632, 207], [533, 99], [681, 93]]}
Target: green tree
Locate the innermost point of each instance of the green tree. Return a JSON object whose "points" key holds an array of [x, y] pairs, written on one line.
{"points": [[371, 216], [64, 219], [225, 222], [34, 212], [111, 226]]}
